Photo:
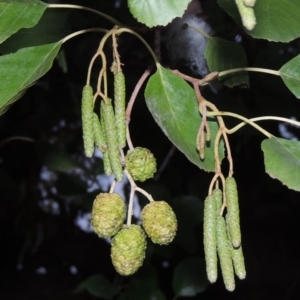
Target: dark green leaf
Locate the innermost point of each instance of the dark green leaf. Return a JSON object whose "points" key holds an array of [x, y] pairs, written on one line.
{"points": [[282, 161], [157, 12], [223, 55], [52, 27], [20, 70], [19, 14], [173, 105], [55, 159], [189, 213], [190, 277], [277, 20], [98, 286], [144, 286], [290, 74], [71, 186]]}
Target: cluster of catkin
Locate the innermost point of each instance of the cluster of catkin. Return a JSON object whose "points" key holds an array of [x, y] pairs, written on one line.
{"points": [[109, 132], [222, 236]]}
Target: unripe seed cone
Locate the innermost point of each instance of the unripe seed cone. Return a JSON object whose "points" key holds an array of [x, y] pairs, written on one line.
{"points": [[141, 164], [128, 249], [108, 214], [159, 222]]}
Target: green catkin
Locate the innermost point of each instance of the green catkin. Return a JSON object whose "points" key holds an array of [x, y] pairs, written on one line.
{"points": [[237, 258], [106, 162], [223, 246], [99, 137], [210, 237], [119, 102], [233, 211], [87, 108], [112, 139]]}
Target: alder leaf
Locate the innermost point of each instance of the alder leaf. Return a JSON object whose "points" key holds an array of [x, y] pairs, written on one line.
{"points": [[290, 74], [15, 15], [156, 12], [224, 55], [173, 105], [282, 161], [276, 20], [21, 69]]}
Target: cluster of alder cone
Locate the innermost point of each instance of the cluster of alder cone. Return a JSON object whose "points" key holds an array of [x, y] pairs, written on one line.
{"points": [[129, 241], [108, 133]]}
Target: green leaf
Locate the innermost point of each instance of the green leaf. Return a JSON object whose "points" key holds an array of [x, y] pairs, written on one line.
{"points": [[21, 69], [19, 14], [143, 286], [276, 20], [156, 12], [290, 74], [224, 55], [190, 277], [282, 161], [54, 158], [173, 105], [98, 286], [52, 27], [189, 213]]}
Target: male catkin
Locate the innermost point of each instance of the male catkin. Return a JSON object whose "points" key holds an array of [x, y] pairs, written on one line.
{"points": [[106, 163], [233, 211], [237, 258], [119, 101], [99, 137], [210, 237], [224, 253], [87, 120], [111, 138]]}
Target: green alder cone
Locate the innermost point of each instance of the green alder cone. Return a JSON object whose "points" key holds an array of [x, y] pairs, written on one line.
{"points": [[210, 236], [141, 164], [233, 211], [87, 108], [224, 253], [128, 249], [159, 222], [108, 214]]}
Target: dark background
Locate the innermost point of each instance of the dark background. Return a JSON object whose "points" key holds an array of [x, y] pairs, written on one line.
{"points": [[45, 184]]}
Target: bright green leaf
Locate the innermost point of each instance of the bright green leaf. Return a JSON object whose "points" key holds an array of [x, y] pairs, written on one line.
{"points": [[282, 161], [190, 277], [156, 12], [21, 69], [224, 55], [276, 20], [290, 74], [173, 105], [98, 286], [53, 158], [19, 14]]}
